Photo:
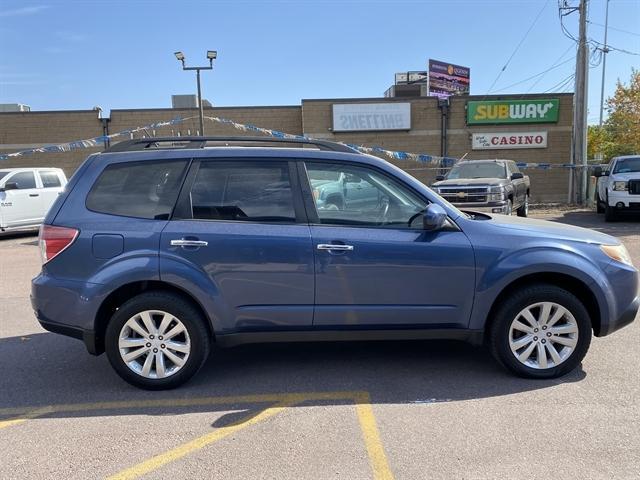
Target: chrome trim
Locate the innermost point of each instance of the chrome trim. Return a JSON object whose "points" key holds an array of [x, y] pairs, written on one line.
{"points": [[330, 246], [189, 243]]}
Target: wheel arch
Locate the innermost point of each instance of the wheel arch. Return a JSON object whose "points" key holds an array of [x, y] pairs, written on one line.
{"points": [[562, 280], [129, 290]]}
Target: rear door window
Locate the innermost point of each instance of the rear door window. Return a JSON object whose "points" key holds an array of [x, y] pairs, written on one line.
{"points": [[138, 189], [50, 179], [243, 191]]}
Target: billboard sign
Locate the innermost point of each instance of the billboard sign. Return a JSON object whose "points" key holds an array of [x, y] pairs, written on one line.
{"points": [[354, 117], [512, 111], [446, 79], [508, 140], [404, 78]]}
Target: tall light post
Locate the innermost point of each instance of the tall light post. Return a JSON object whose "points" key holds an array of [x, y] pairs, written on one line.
{"points": [[211, 56]]}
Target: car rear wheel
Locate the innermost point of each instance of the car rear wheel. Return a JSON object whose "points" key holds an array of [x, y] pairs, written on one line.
{"points": [[157, 341], [542, 331], [523, 211]]}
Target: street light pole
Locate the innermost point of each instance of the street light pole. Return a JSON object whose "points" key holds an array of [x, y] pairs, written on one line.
{"points": [[211, 56]]}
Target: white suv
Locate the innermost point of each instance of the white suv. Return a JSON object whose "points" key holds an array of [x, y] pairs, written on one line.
{"points": [[618, 188], [26, 194]]}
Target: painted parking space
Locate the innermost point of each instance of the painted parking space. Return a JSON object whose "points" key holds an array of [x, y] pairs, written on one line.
{"points": [[271, 405]]}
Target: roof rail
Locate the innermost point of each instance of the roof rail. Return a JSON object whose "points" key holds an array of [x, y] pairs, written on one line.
{"points": [[201, 142]]}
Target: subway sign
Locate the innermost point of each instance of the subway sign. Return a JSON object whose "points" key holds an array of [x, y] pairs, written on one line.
{"points": [[512, 111]]}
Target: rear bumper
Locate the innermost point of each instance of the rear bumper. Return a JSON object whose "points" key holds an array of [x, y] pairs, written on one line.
{"points": [[88, 337], [67, 307]]}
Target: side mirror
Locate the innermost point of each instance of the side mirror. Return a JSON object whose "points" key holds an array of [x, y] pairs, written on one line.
{"points": [[439, 178], [597, 172], [517, 176], [9, 186], [434, 218]]}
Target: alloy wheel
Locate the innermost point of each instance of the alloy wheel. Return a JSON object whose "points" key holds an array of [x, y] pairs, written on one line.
{"points": [[543, 335], [154, 344]]}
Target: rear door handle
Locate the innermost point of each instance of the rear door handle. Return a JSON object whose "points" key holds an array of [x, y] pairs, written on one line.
{"points": [[189, 243], [331, 246], [34, 194]]}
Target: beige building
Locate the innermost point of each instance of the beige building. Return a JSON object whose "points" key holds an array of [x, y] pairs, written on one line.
{"points": [[476, 127]]}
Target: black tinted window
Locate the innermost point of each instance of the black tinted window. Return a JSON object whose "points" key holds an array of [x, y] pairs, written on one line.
{"points": [[143, 190], [24, 180], [49, 179], [242, 191]]}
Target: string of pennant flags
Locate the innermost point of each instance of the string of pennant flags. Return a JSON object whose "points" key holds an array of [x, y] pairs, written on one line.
{"points": [[421, 158]]}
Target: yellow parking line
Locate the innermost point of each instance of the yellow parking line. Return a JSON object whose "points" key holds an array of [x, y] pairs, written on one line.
{"points": [[377, 457], [183, 402], [366, 418], [189, 447], [24, 417]]}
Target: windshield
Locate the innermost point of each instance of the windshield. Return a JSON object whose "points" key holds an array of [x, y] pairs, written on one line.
{"points": [[3, 174], [627, 165], [477, 170]]}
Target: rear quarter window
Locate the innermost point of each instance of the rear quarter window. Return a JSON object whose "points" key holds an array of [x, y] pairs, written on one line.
{"points": [[139, 189]]}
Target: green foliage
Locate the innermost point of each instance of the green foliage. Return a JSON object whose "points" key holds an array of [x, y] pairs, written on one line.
{"points": [[620, 134]]}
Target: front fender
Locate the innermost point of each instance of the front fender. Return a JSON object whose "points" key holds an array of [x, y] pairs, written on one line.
{"points": [[497, 276]]}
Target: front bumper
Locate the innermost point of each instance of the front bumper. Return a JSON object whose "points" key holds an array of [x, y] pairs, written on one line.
{"points": [[624, 200], [626, 317], [491, 207]]}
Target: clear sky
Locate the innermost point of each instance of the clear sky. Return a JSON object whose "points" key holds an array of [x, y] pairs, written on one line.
{"points": [[75, 54]]}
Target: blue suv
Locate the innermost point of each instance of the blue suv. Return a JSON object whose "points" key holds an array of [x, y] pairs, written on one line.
{"points": [[161, 248]]}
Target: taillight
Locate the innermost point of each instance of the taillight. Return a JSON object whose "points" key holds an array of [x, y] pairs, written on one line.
{"points": [[53, 240]]}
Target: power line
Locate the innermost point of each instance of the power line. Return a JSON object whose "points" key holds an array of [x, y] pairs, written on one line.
{"points": [[537, 74], [571, 46], [614, 28], [561, 84], [518, 46]]}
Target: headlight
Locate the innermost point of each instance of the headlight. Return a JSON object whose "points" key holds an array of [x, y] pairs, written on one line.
{"points": [[496, 194], [618, 253], [620, 186]]}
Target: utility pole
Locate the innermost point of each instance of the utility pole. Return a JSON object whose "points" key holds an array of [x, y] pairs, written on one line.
{"points": [[605, 50], [580, 111]]}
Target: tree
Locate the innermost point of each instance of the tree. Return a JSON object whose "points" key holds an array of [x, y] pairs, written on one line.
{"points": [[620, 134]]}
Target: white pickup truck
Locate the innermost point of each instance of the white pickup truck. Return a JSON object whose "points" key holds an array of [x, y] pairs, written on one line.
{"points": [[618, 188], [26, 194]]}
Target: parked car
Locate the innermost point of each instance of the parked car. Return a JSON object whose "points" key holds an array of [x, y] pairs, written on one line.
{"points": [[618, 187], [493, 186], [156, 252], [26, 194]]}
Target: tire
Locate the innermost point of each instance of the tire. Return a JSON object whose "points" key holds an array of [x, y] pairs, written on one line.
{"points": [[509, 207], [181, 316], [610, 214], [599, 204], [523, 211], [503, 333]]}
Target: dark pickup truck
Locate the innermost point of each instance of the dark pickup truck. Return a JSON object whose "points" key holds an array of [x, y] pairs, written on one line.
{"points": [[494, 186]]}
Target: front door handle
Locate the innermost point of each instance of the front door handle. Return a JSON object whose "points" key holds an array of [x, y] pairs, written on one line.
{"points": [[335, 247], [189, 243], [34, 194]]}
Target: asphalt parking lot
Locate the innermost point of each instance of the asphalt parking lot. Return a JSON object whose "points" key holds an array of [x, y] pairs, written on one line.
{"points": [[405, 410]]}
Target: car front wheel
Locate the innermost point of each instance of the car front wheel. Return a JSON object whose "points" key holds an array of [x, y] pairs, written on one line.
{"points": [[157, 341], [541, 331], [523, 211]]}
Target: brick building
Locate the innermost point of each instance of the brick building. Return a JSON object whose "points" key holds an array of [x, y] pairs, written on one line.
{"points": [[414, 125]]}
